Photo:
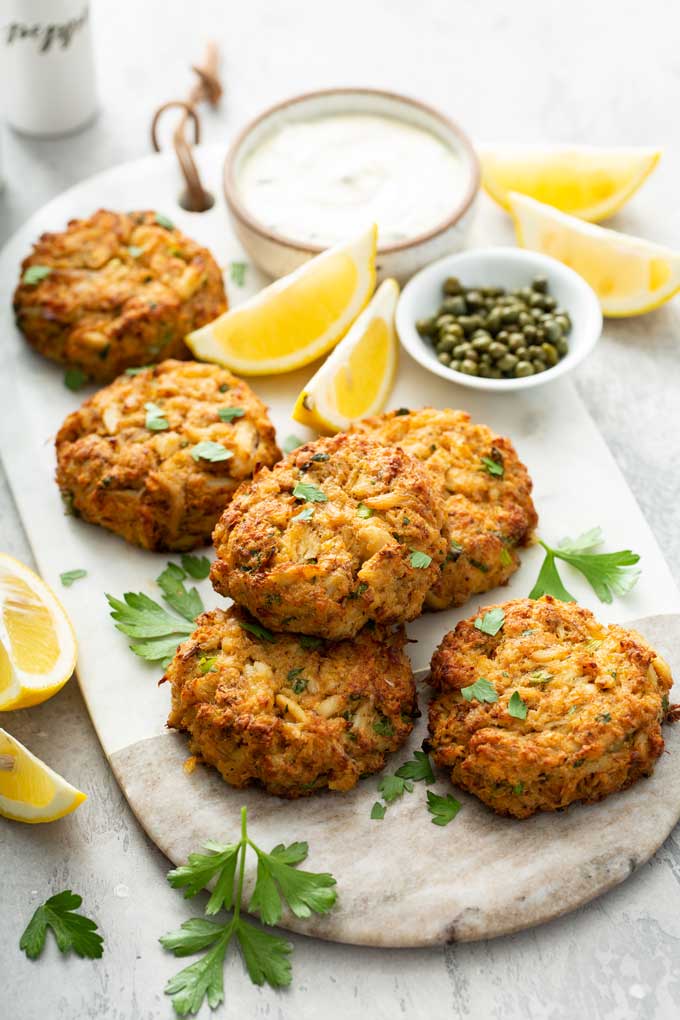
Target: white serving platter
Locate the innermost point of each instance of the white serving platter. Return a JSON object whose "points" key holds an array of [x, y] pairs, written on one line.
{"points": [[401, 881]]}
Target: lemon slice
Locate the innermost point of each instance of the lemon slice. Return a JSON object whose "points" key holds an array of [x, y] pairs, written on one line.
{"points": [[296, 319], [356, 379], [584, 181], [629, 275], [30, 791], [37, 643]]}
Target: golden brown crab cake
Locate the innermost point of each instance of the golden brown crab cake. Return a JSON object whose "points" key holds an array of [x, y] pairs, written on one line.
{"points": [[156, 456], [292, 714], [486, 490], [553, 708], [114, 291], [341, 532]]}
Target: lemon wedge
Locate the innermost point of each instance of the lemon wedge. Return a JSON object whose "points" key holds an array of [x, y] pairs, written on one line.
{"points": [[629, 275], [37, 643], [296, 319], [30, 791], [356, 379], [585, 181]]}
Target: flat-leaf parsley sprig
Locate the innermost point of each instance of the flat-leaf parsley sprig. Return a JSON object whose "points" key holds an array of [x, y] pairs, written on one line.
{"points": [[72, 931], [608, 574], [266, 956], [156, 632]]}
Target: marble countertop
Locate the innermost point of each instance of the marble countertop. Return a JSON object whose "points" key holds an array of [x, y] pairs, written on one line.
{"points": [[524, 73]]}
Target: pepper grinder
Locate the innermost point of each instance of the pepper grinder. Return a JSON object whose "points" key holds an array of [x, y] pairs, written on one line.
{"points": [[48, 67]]}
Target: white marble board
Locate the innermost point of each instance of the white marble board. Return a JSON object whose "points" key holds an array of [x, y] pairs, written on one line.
{"points": [[412, 883]]}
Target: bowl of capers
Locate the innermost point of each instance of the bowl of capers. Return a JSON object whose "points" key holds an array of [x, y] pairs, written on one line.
{"points": [[498, 318]]}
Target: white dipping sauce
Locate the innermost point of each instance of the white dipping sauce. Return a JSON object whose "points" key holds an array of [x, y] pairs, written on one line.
{"points": [[326, 178]]}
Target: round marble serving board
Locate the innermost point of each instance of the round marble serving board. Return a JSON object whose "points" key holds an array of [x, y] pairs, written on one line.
{"points": [[402, 881]]}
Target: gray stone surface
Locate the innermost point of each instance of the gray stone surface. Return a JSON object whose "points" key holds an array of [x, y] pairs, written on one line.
{"points": [[586, 72]]}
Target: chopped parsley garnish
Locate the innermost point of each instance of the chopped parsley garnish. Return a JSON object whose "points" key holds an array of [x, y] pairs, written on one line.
{"points": [[306, 491], [604, 718], [378, 811], [493, 467], [258, 630], [156, 632], [491, 622], [455, 549], [237, 272], [310, 642], [136, 371], [72, 931], [163, 221], [608, 574], [206, 664], [518, 788], [506, 558], [304, 514], [516, 707], [419, 560], [320, 458], [229, 413], [540, 676], [74, 379], [442, 809], [34, 274], [383, 727], [134, 251], [419, 768], [480, 690], [207, 450], [155, 420], [266, 956], [364, 511], [291, 443], [69, 576], [197, 567], [393, 786], [297, 681]]}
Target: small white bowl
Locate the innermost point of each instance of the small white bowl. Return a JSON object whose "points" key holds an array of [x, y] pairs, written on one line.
{"points": [[499, 267], [276, 254]]}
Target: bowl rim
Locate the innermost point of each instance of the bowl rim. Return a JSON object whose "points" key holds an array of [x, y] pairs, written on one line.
{"points": [[550, 265], [240, 210]]}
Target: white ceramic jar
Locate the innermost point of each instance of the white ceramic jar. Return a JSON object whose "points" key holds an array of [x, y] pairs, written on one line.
{"points": [[47, 65]]}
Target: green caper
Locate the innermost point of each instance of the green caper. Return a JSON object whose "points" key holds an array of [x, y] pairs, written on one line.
{"points": [[427, 327], [475, 322], [529, 333], [518, 341], [474, 299], [524, 319], [549, 302], [452, 285], [552, 330], [523, 368], [550, 354], [460, 350], [455, 365], [503, 337], [447, 343], [562, 319], [471, 354], [481, 342], [469, 367], [536, 301], [539, 366], [515, 337], [540, 284], [498, 350], [494, 320], [537, 314], [510, 314], [562, 346], [444, 320], [540, 334], [444, 358], [455, 305], [507, 362], [521, 352], [485, 359]]}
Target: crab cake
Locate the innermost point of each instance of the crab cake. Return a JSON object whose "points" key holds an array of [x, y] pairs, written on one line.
{"points": [[114, 291], [485, 488], [568, 709], [292, 715], [340, 532], [156, 456]]}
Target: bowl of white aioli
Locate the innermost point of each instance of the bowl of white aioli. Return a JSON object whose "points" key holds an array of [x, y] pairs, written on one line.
{"points": [[318, 168]]}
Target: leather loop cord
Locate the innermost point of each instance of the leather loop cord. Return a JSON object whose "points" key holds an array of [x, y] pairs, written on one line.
{"points": [[207, 89]]}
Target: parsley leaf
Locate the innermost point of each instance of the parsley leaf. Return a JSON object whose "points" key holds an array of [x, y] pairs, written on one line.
{"points": [[258, 630], [309, 641], [309, 492], [364, 511], [491, 622], [506, 558], [291, 443], [71, 930], [163, 221], [34, 274], [155, 421], [419, 768], [137, 370], [207, 450], [266, 956], [443, 809], [480, 690], [69, 576], [392, 787], [608, 574], [187, 603], [305, 514], [197, 567], [74, 379], [237, 272], [383, 727], [516, 707], [420, 560], [206, 663], [493, 467], [378, 811], [229, 413]]}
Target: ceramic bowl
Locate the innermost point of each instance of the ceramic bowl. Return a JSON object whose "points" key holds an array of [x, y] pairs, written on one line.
{"points": [[499, 267], [277, 254]]}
